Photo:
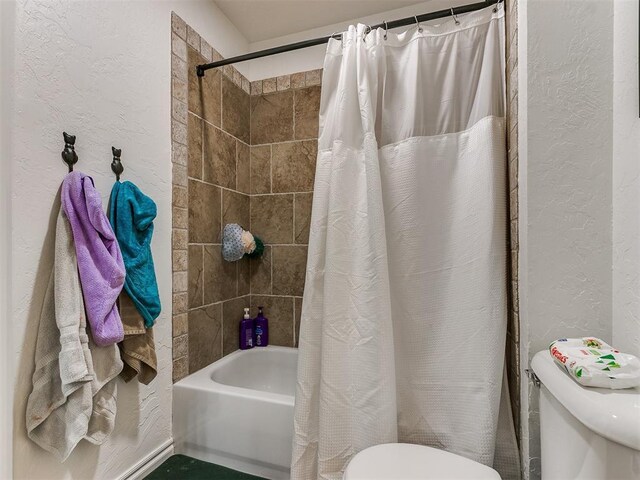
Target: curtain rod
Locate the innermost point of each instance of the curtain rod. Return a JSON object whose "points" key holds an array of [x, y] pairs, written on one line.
{"points": [[403, 22]]}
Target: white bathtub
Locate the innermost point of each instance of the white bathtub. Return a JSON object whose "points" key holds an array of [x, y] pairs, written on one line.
{"points": [[238, 411]]}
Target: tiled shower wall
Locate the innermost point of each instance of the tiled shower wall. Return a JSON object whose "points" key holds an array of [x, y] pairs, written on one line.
{"points": [[210, 138], [513, 326], [248, 150], [284, 129], [237, 158]]}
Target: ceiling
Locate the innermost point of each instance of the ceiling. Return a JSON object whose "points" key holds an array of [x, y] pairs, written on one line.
{"points": [[264, 19]]}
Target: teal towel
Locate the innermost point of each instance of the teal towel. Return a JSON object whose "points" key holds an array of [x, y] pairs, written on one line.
{"points": [[131, 214]]}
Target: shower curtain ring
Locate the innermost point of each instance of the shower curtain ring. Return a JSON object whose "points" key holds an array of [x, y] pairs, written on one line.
{"points": [[455, 18], [366, 32], [386, 28], [341, 37], [496, 6], [418, 23]]}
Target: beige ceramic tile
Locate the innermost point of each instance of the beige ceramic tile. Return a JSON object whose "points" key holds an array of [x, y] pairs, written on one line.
{"points": [[306, 112], [205, 50], [203, 92], [179, 173], [180, 303], [180, 368], [205, 336], [243, 167], [180, 325], [179, 217], [272, 218], [179, 282], [283, 82], [179, 260], [244, 276], [289, 268], [178, 132], [293, 166], [204, 212], [235, 208], [179, 197], [178, 46], [196, 276], [180, 346], [235, 110], [237, 78], [260, 271], [220, 276], [193, 39], [298, 80], [179, 239], [194, 146], [179, 89], [313, 77], [246, 85], [260, 174], [303, 202], [269, 85], [178, 25], [178, 68], [279, 311], [219, 157], [272, 118], [178, 110], [256, 87], [179, 153]]}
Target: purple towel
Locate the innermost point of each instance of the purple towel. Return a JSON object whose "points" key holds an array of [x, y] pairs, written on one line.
{"points": [[99, 258]]}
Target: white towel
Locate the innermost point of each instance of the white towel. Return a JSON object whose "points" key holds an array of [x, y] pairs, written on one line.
{"points": [[74, 386]]}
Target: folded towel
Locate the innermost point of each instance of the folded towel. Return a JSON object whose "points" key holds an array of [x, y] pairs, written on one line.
{"points": [[74, 382], [593, 363], [100, 262], [138, 347], [131, 214]]}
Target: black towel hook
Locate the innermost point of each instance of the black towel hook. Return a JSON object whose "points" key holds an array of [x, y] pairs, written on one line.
{"points": [[116, 165], [69, 155]]}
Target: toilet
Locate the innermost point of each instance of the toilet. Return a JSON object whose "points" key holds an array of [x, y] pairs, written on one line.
{"points": [[404, 461], [586, 433]]}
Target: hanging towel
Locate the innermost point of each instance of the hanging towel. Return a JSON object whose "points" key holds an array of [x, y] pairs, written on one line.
{"points": [[99, 258], [138, 347], [74, 386], [131, 214]]}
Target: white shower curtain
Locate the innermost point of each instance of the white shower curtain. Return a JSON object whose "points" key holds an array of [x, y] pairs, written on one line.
{"points": [[405, 305]]}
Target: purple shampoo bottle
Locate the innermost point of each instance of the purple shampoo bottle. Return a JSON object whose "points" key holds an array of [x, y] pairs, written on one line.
{"points": [[261, 329], [246, 331]]}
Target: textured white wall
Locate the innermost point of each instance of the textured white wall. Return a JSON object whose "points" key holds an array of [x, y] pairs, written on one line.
{"points": [[566, 162], [626, 179], [6, 357], [312, 58], [100, 70]]}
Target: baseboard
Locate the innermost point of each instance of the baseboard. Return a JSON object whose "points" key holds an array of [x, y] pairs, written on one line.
{"points": [[149, 463]]}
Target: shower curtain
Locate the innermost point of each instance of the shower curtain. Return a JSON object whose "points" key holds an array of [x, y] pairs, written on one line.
{"points": [[405, 305]]}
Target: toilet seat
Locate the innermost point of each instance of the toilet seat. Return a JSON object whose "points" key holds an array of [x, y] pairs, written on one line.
{"points": [[404, 461]]}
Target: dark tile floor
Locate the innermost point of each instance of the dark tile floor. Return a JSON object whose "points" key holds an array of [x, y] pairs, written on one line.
{"points": [[181, 467]]}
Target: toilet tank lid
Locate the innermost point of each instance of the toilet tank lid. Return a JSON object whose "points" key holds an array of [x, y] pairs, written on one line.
{"points": [[613, 414]]}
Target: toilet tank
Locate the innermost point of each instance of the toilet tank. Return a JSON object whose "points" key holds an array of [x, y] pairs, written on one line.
{"points": [[586, 433]]}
